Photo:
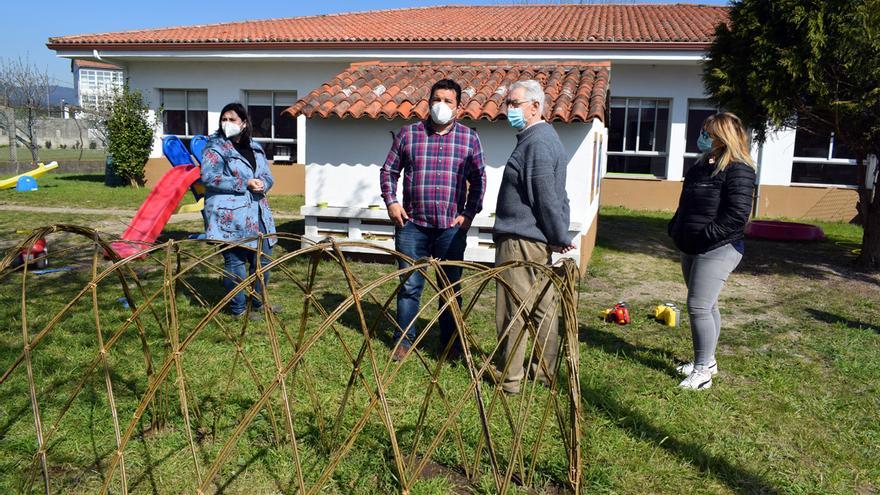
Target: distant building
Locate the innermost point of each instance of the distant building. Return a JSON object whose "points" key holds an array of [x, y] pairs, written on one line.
{"points": [[95, 82]]}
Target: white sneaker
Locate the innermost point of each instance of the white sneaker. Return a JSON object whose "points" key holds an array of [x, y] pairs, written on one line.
{"points": [[688, 368], [698, 380]]}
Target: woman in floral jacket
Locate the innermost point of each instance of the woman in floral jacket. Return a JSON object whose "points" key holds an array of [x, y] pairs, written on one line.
{"points": [[237, 179]]}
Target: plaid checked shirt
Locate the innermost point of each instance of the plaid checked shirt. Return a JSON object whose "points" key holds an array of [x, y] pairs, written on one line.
{"points": [[443, 174]]}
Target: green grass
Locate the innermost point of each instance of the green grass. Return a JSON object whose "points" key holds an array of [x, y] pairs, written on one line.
{"points": [[793, 410], [76, 191], [89, 191]]}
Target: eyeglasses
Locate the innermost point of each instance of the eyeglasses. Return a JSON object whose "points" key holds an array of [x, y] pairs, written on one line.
{"points": [[515, 103]]}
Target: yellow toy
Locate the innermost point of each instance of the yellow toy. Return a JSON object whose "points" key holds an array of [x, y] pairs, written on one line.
{"points": [[40, 170], [668, 314]]}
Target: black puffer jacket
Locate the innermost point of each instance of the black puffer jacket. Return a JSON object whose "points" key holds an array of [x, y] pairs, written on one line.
{"points": [[712, 210]]}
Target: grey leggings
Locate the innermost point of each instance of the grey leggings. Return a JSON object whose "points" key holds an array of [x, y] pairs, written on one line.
{"points": [[705, 275]]}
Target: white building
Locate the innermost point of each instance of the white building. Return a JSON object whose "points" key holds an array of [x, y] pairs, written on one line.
{"points": [[653, 113], [95, 82]]}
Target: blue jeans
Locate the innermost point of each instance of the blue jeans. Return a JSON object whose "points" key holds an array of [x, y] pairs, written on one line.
{"points": [[234, 267], [420, 242]]}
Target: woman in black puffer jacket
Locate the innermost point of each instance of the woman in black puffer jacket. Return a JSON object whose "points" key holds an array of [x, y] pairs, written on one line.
{"points": [[715, 204]]}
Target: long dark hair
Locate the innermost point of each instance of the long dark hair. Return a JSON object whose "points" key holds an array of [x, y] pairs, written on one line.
{"points": [[241, 111]]}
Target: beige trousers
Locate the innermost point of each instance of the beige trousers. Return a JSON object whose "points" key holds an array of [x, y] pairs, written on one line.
{"points": [[525, 283]]}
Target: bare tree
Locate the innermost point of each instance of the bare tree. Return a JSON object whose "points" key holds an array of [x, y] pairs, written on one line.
{"points": [[95, 115], [7, 123], [25, 87]]}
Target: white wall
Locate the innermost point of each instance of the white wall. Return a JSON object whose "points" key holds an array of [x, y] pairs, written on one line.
{"points": [[683, 83], [774, 161], [345, 157], [678, 83], [225, 81]]}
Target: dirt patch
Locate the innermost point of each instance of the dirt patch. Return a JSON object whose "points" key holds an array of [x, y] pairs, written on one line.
{"points": [[463, 486]]}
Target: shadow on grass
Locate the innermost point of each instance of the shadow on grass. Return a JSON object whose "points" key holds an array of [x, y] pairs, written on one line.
{"points": [[82, 178], [645, 234], [835, 319], [738, 479], [430, 345], [651, 357], [635, 234]]}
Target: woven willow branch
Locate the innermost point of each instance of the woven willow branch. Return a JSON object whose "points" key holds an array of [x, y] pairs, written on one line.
{"points": [[505, 422]]}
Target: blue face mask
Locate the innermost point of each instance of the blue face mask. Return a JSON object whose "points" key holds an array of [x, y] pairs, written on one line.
{"points": [[516, 118], [704, 143]]}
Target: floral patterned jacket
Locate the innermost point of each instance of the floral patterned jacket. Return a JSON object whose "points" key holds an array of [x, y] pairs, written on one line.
{"points": [[233, 213]]}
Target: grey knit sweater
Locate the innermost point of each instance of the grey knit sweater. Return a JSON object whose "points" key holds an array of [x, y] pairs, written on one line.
{"points": [[532, 201]]}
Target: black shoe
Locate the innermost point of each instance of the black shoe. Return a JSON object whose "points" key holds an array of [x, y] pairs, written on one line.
{"points": [[454, 355]]}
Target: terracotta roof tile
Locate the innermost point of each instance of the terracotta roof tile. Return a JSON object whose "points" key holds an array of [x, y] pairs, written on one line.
{"points": [[88, 64], [575, 91], [530, 24]]}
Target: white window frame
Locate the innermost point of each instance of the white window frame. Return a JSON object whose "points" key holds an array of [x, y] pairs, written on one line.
{"points": [[636, 151], [97, 86], [698, 104], [828, 160], [273, 139], [186, 92]]}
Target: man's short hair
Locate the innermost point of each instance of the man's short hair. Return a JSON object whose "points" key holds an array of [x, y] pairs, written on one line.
{"points": [[446, 84], [534, 92]]}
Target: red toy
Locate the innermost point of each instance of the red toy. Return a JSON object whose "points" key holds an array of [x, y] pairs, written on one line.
{"points": [[619, 313], [37, 255]]}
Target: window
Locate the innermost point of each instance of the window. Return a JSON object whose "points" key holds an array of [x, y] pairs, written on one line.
{"points": [[97, 87], [272, 128], [821, 159], [638, 136], [185, 112], [698, 111]]}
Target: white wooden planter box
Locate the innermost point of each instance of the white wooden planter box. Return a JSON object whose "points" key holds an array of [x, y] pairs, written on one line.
{"points": [[373, 226]]}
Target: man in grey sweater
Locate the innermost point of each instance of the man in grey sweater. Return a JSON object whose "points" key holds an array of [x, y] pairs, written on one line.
{"points": [[531, 223]]}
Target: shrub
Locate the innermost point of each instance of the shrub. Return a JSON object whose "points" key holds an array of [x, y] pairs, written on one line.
{"points": [[130, 134]]}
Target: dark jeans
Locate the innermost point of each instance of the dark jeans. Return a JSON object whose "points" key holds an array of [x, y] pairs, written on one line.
{"points": [[421, 242], [234, 265]]}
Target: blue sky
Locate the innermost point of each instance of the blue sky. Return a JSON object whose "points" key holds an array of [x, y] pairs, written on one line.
{"points": [[26, 27]]}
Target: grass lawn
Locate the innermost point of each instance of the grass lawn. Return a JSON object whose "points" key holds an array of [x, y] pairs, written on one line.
{"points": [[89, 191], [793, 410]]}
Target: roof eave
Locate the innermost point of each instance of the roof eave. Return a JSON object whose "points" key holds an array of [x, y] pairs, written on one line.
{"points": [[399, 45]]}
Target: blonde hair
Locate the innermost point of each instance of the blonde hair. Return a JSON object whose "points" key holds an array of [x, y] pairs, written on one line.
{"points": [[730, 143]]}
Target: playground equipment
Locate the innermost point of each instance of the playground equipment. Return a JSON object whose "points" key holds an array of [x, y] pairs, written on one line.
{"points": [[163, 200], [775, 230], [309, 388], [37, 255], [26, 183], [155, 211], [41, 169]]}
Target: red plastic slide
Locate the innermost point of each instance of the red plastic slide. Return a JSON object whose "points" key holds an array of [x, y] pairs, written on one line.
{"points": [[154, 213]]}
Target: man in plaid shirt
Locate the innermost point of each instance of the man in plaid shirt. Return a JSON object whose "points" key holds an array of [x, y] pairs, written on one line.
{"points": [[443, 184]]}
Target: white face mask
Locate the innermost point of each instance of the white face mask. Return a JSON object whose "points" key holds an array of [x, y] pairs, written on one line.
{"points": [[441, 114], [231, 129]]}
